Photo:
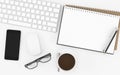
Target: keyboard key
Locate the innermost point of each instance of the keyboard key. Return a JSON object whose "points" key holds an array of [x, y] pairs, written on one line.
{"points": [[54, 20], [29, 20], [14, 12], [18, 8], [39, 22], [34, 21], [53, 5], [49, 28], [23, 9], [20, 18], [18, 13], [44, 3], [11, 2], [0, 5], [23, 14], [47, 13], [34, 1], [1, 15], [10, 17], [34, 26], [35, 6], [0, 19], [32, 11], [44, 28], [56, 15], [42, 12], [31, 5], [21, 4], [28, 15], [49, 9], [37, 11], [27, 10], [16, 3], [6, 16], [48, 4], [3, 5], [45, 8], [24, 0], [26, 5], [47, 18], [39, 27], [13, 7], [42, 17], [40, 7], [51, 24], [39, 2], [15, 18], [9, 11], [58, 5], [25, 19], [19, 23], [2, 1], [9, 6], [44, 22], [52, 14], [32, 16], [37, 16], [4, 20], [29, 1], [7, 1], [54, 29], [0, 10], [56, 10], [4, 11]]}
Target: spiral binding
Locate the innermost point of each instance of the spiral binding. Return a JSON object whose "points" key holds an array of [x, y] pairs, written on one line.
{"points": [[94, 10]]}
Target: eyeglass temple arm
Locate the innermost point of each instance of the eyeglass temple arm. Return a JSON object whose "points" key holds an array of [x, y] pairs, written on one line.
{"points": [[49, 54]]}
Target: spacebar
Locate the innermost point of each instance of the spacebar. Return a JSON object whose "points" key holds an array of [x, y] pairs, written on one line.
{"points": [[17, 23]]}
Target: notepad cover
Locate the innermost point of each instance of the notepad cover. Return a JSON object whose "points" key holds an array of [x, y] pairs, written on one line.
{"points": [[86, 29]]}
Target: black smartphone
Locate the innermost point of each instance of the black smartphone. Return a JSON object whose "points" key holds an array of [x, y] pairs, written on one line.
{"points": [[12, 44]]}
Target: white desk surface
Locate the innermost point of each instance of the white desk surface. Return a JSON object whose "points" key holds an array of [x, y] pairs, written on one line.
{"points": [[87, 62]]}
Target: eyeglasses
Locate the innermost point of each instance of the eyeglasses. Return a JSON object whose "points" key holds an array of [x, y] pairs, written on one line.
{"points": [[42, 59]]}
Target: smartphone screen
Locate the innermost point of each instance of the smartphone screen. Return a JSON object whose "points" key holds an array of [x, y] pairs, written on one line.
{"points": [[12, 44]]}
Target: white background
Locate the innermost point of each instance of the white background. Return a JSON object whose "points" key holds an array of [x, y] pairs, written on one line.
{"points": [[87, 62]]}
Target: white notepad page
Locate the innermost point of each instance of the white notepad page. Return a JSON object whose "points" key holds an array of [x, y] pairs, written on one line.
{"points": [[86, 29]]}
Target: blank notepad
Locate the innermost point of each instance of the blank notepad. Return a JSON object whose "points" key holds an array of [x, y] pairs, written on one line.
{"points": [[86, 29]]}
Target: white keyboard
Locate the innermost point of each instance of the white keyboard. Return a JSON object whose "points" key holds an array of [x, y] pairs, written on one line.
{"points": [[36, 14]]}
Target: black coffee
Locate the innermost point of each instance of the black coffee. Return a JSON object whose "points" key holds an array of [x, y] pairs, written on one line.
{"points": [[66, 61]]}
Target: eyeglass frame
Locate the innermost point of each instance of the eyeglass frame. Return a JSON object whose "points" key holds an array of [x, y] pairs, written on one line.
{"points": [[38, 60]]}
